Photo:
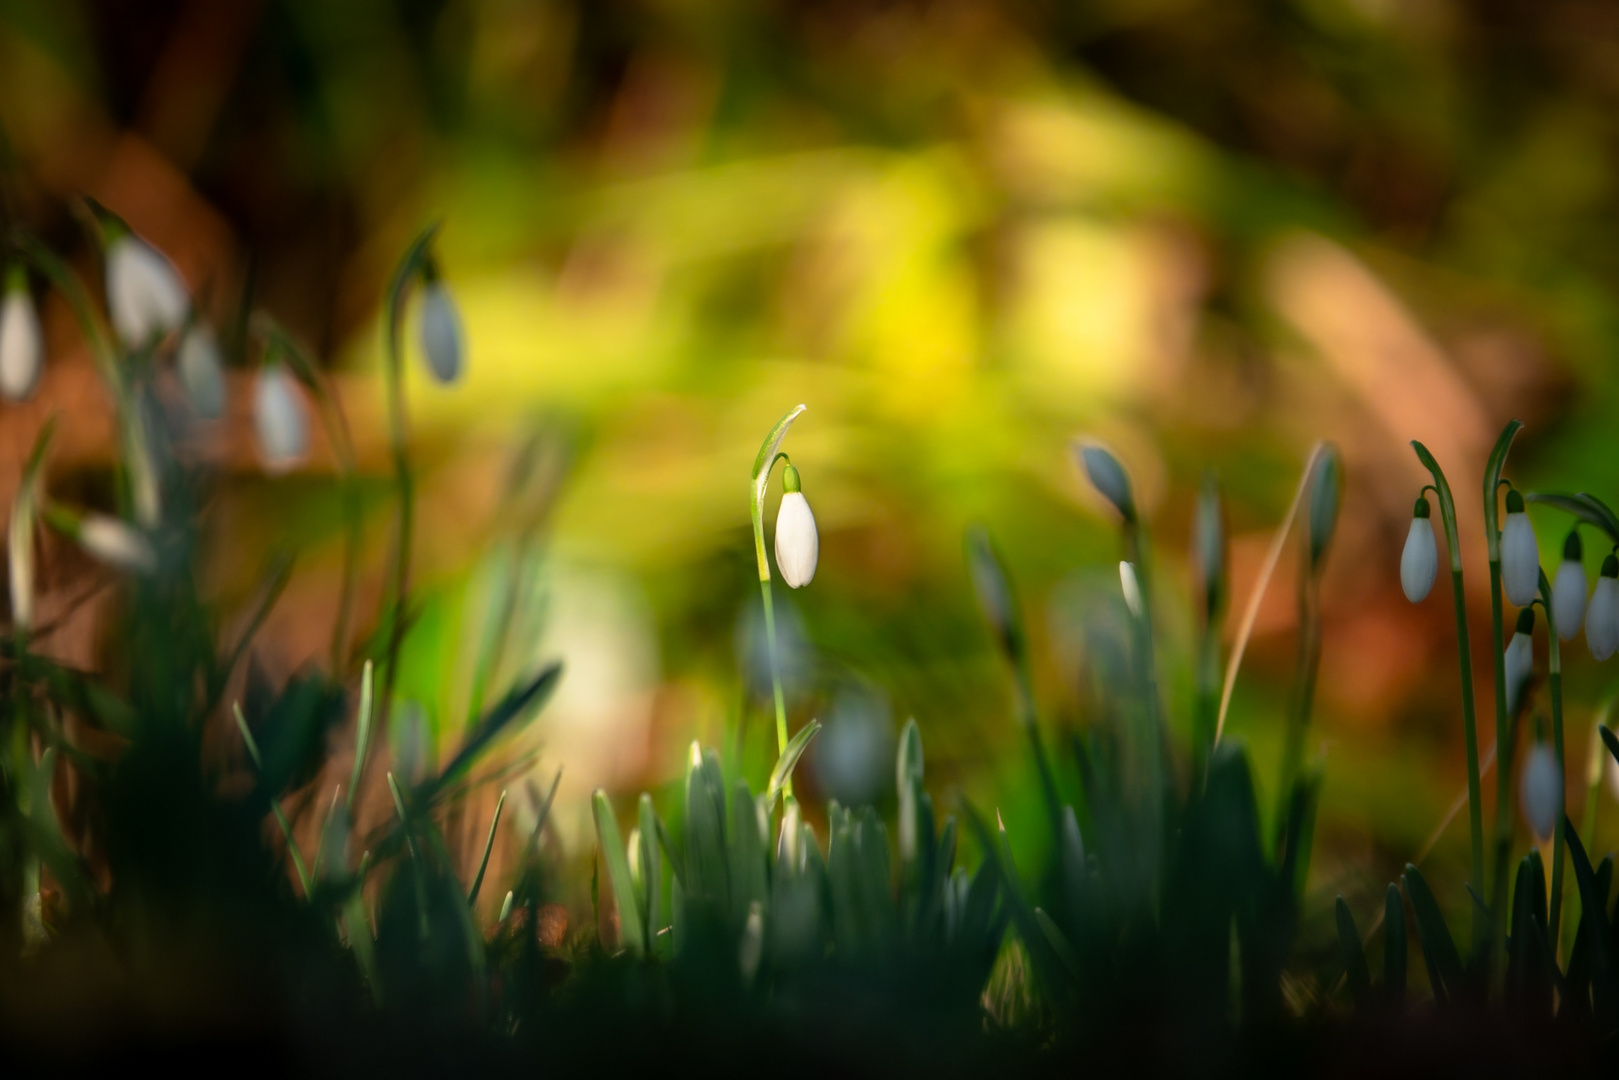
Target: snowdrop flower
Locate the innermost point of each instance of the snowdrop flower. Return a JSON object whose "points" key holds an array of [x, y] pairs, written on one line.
{"points": [[1419, 562], [797, 544], [1520, 658], [441, 332], [202, 372], [145, 295], [1132, 588], [1568, 589], [22, 344], [113, 542], [1108, 477], [1542, 792], [1602, 616], [278, 414], [1520, 557]]}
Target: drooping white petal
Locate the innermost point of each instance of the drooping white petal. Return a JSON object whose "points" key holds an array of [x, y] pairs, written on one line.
{"points": [[202, 372], [441, 332], [1541, 793], [798, 546], [1132, 588], [22, 346], [1419, 562], [1520, 560], [145, 295], [281, 420], [1568, 599], [116, 544], [1602, 618], [1519, 663]]}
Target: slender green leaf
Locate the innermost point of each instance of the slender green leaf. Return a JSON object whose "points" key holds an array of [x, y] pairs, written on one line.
{"points": [[618, 873], [746, 860], [362, 738], [783, 772], [1354, 957], [1582, 507], [518, 706], [1438, 947], [488, 846], [1594, 925], [651, 867], [1059, 944]]}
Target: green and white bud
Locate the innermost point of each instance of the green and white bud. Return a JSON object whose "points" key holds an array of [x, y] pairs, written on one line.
{"points": [[22, 342], [280, 418], [1419, 562], [1568, 589], [145, 296], [202, 372], [115, 543], [1602, 615], [441, 332], [1520, 659], [798, 546], [1108, 477], [20, 558], [1520, 555], [1132, 589]]}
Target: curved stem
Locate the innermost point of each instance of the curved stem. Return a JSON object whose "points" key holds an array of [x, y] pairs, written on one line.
{"points": [[1475, 810], [770, 611], [1503, 769], [1554, 679]]}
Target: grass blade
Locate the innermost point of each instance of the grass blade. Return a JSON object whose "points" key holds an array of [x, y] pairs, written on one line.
{"points": [[1438, 947], [1354, 957], [783, 772], [362, 739], [488, 846], [618, 873]]}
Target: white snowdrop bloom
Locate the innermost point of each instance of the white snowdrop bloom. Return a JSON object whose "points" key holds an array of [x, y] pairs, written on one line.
{"points": [[1419, 562], [202, 372], [1568, 589], [1520, 556], [22, 343], [1602, 615], [1132, 588], [1541, 793], [441, 332], [797, 543], [1520, 658], [280, 417], [113, 542], [145, 295]]}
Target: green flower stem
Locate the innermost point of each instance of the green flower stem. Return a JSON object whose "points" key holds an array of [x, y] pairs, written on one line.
{"points": [[1503, 732], [770, 629], [409, 269], [1475, 810], [1309, 664], [1554, 680]]}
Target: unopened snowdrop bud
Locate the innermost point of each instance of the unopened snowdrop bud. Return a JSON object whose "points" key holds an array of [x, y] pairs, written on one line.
{"points": [[20, 559], [1419, 562], [278, 414], [797, 544], [1542, 792], [113, 542], [1520, 658], [1108, 477], [145, 295], [202, 372], [1568, 589], [1131, 587], [1602, 616], [1209, 541], [441, 332], [22, 344], [1520, 556]]}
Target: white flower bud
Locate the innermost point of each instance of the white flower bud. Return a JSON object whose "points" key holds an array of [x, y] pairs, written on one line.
{"points": [[441, 332], [22, 343], [1520, 659], [1520, 556], [1602, 615], [1541, 793], [21, 560], [145, 295], [1568, 590], [279, 415], [1131, 587], [797, 543], [202, 372], [1419, 562], [116, 544]]}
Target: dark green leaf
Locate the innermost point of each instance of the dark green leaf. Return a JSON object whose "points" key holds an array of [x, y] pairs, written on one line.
{"points": [[789, 758], [618, 873], [1438, 947], [1354, 957], [516, 707]]}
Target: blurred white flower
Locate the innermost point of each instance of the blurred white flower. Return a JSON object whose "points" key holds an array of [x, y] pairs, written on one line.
{"points": [[1568, 589], [281, 419], [1542, 792], [1602, 615], [22, 343], [441, 332], [21, 559], [798, 546], [1520, 555], [115, 543], [145, 295], [202, 372], [1419, 562], [1520, 658], [1131, 587]]}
